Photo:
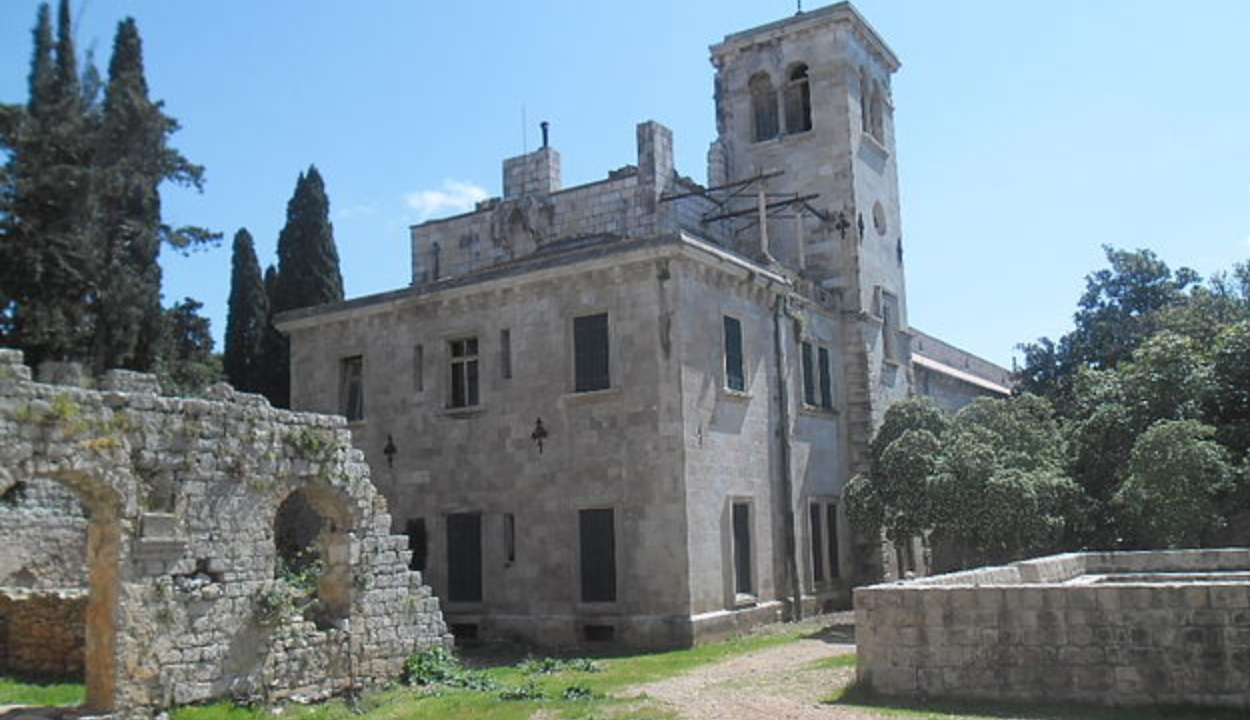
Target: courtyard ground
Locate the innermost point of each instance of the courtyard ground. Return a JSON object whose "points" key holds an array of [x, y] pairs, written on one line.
{"points": [[795, 671]]}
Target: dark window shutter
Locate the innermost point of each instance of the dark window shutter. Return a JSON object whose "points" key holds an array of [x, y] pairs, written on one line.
{"points": [[826, 380], [590, 353], [734, 376], [418, 544], [464, 557], [818, 542], [809, 379], [597, 531], [742, 548], [832, 533]]}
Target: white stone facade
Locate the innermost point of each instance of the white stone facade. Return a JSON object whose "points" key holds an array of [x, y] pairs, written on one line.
{"points": [[755, 335]]}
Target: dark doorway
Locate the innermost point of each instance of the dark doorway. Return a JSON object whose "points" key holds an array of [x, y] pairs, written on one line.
{"points": [[597, 531], [742, 548], [464, 557]]}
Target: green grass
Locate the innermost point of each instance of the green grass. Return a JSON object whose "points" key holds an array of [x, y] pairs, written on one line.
{"points": [[833, 663], [615, 674], [40, 691], [942, 709]]}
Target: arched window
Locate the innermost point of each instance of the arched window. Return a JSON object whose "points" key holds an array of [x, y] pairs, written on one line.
{"points": [[877, 113], [764, 107], [798, 100]]}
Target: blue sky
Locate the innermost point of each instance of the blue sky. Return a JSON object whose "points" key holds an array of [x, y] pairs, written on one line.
{"points": [[1029, 134]]}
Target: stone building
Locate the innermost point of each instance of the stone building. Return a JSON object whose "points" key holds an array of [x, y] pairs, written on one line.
{"points": [[625, 411]]}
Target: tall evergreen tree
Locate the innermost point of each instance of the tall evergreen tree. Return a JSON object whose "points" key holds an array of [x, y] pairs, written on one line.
{"points": [[186, 363], [45, 258], [133, 159], [274, 371], [308, 261], [248, 317], [307, 275]]}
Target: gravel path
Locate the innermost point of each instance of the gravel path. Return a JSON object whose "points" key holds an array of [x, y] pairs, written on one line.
{"points": [[780, 683]]}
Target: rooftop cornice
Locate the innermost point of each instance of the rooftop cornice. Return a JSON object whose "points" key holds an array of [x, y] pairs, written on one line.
{"points": [[843, 12]]}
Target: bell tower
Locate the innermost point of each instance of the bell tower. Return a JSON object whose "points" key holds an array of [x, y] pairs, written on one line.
{"points": [[809, 96], [804, 104]]}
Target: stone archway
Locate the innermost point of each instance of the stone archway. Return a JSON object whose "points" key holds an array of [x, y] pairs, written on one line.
{"points": [[313, 528]]}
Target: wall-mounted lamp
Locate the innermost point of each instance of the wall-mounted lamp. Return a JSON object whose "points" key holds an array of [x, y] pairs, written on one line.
{"points": [[539, 434], [389, 450]]}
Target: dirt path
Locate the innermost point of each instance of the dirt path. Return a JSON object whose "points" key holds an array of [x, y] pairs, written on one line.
{"points": [[786, 682]]}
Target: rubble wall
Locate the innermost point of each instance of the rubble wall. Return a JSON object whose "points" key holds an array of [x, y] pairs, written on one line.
{"points": [[188, 602]]}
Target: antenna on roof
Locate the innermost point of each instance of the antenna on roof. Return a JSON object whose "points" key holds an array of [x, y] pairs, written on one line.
{"points": [[800, 12]]}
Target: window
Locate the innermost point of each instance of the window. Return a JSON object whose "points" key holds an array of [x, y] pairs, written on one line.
{"points": [[823, 527], [463, 373], [763, 107], [509, 538], [742, 548], [816, 523], [809, 376], [876, 113], [735, 377], [798, 101], [597, 536], [890, 328], [831, 537], [826, 379], [464, 557], [590, 353], [418, 543], [418, 368], [351, 392], [817, 376], [505, 354]]}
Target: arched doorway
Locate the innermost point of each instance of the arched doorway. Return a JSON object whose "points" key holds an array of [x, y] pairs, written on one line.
{"points": [[312, 544], [64, 538]]}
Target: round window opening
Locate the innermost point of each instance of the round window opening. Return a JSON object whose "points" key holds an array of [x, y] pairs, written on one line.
{"points": [[878, 218]]}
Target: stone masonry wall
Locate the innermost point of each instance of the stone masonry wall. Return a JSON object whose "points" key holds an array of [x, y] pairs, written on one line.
{"points": [[42, 631], [44, 533], [1112, 628], [187, 601]]}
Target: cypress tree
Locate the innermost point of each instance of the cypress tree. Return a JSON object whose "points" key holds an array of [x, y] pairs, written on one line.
{"points": [[307, 275], [274, 372], [308, 261], [132, 159], [248, 318], [45, 259]]}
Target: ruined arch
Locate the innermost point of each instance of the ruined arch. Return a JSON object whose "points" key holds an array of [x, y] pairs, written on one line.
{"points": [[314, 527]]}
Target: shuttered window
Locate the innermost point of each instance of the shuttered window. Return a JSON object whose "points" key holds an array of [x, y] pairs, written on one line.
{"points": [[464, 557], [809, 378], [590, 353], [351, 390], [597, 536], [816, 517], [826, 380], [742, 548], [735, 377]]}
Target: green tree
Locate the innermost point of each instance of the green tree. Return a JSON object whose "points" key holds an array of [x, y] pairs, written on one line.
{"points": [[186, 363], [45, 210], [133, 158], [273, 373], [308, 272], [905, 453], [248, 318], [1177, 477]]}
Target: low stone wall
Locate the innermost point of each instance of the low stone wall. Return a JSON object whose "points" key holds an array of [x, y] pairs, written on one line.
{"points": [[42, 631], [1111, 628]]}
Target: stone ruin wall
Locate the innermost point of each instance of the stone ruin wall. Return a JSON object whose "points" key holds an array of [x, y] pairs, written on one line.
{"points": [[1123, 628], [179, 498], [42, 631]]}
